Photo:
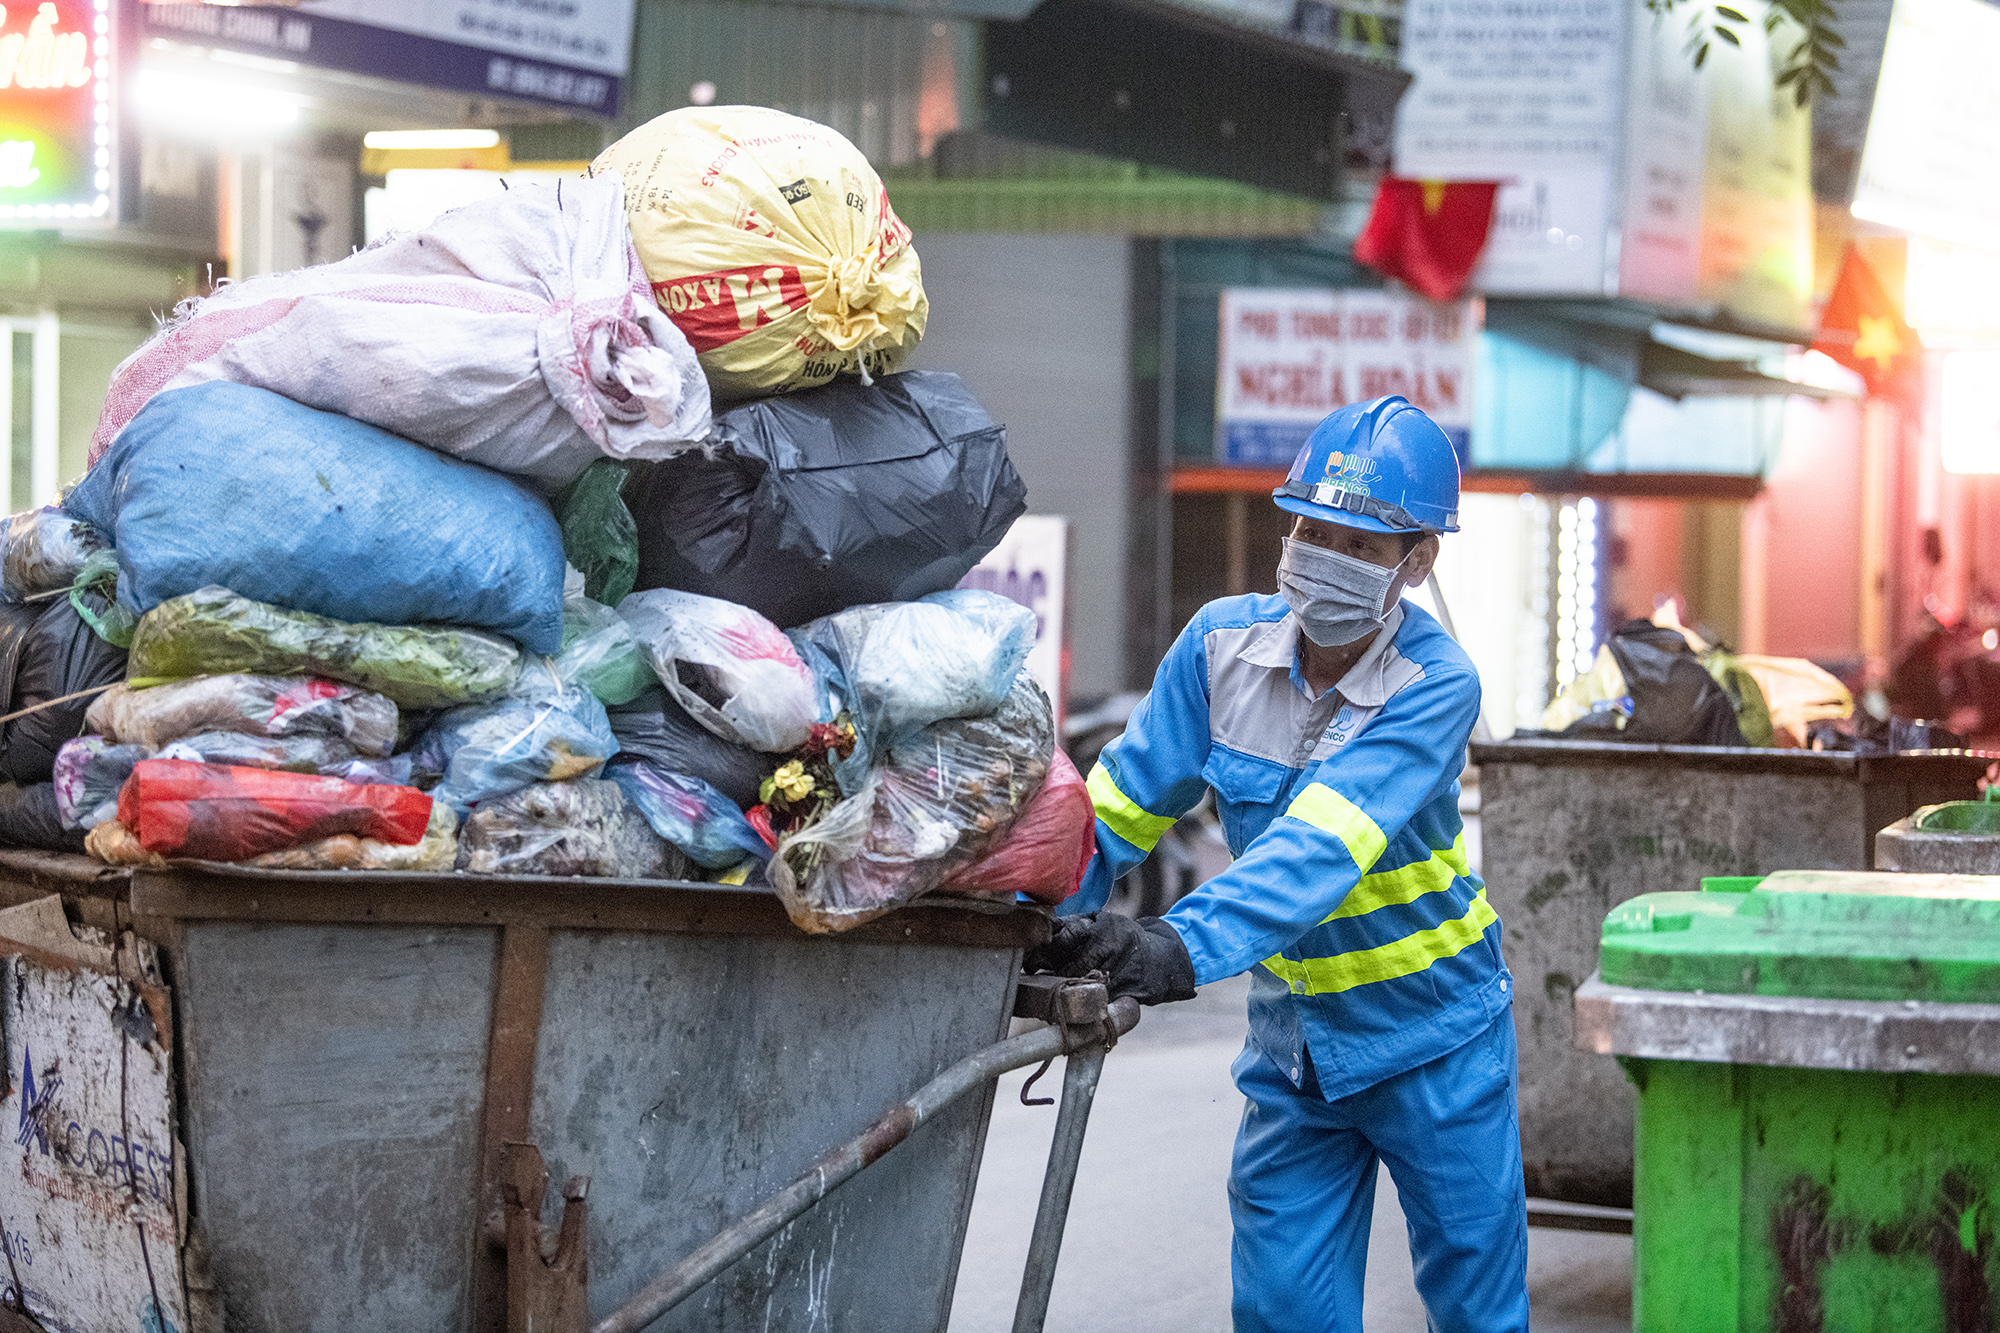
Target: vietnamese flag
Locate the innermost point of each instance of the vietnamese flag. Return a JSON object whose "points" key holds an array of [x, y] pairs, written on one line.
{"points": [[1427, 235], [1863, 330]]}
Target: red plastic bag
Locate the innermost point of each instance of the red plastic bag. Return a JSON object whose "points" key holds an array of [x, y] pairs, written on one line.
{"points": [[1046, 852], [215, 812]]}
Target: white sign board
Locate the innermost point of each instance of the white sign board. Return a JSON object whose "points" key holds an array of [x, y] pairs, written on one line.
{"points": [[1029, 567], [1931, 163], [1288, 356], [1531, 96], [88, 1195], [559, 52]]}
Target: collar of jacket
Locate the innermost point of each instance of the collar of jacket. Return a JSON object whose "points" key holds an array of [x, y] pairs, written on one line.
{"points": [[1367, 683]]}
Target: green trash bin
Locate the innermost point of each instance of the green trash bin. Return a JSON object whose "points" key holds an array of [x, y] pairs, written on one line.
{"points": [[1817, 1059]]}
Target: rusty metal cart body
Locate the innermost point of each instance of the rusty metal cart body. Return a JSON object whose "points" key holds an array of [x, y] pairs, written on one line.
{"points": [[353, 1052]]}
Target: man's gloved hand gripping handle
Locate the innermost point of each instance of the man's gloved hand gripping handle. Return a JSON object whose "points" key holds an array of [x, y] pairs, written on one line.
{"points": [[1144, 959]]}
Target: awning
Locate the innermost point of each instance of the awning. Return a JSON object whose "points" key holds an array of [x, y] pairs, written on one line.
{"points": [[1679, 374], [1191, 90]]}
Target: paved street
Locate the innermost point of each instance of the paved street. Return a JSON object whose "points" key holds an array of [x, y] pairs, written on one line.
{"points": [[1147, 1249]]}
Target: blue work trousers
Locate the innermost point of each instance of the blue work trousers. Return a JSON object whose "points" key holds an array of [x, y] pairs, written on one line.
{"points": [[1302, 1192]]}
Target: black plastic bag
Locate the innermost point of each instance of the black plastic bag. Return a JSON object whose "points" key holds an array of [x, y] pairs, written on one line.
{"points": [[29, 818], [656, 728], [1674, 699], [48, 652], [817, 501]]}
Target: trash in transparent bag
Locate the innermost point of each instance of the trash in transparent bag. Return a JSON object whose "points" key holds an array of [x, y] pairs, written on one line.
{"points": [[690, 814], [271, 706], [586, 827], [939, 798], [43, 551], [602, 654], [734, 671], [544, 731]]}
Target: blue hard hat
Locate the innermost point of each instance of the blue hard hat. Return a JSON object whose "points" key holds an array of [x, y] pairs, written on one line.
{"points": [[1381, 466]]}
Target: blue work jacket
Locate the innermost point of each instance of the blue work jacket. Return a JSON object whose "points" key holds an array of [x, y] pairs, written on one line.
{"points": [[1373, 945]]}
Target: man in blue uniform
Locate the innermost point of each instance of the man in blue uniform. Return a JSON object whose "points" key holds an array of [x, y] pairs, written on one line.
{"points": [[1331, 723]]}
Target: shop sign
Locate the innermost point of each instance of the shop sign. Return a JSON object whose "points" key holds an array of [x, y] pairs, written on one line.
{"points": [[568, 55], [1931, 164], [1531, 95], [1718, 184], [1289, 356], [57, 119]]}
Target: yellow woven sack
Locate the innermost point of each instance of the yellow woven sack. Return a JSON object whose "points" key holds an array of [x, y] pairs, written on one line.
{"points": [[770, 243]]}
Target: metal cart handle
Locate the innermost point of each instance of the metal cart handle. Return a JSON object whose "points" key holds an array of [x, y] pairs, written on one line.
{"points": [[1084, 1024]]}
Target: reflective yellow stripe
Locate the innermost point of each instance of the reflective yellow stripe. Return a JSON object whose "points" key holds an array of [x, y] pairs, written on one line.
{"points": [[1123, 815], [1326, 809], [1405, 884], [1412, 953]]}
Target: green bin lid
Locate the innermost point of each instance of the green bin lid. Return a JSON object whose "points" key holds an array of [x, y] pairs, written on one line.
{"points": [[1843, 935], [1960, 817]]}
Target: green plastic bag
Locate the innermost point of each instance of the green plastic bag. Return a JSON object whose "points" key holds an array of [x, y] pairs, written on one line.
{"points": [[212, 631], [100, 575], [599, 536], [602, 654]]}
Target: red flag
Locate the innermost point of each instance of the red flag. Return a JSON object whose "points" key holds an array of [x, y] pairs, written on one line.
{"points": [[1427, 234], [1863, 330]]}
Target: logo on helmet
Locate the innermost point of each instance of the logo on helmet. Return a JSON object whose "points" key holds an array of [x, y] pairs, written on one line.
{"points": [[1349, 472]]}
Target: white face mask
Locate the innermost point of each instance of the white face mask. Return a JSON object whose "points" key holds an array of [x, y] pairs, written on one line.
{"points": [[1337, 598]]}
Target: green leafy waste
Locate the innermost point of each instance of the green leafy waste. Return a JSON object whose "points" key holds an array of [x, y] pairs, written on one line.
{"points": [[212, 631]]}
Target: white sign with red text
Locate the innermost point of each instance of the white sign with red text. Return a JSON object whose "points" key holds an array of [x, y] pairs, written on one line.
{"points": [[1027, 567], [1289, 356]]}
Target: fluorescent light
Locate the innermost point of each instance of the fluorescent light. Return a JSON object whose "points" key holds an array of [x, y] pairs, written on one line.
{"points": [[215, 106], [446, 139], [1969, 425]]}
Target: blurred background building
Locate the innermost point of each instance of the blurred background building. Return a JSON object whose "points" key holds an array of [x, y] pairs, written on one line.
{"points": [[1116, 201]]}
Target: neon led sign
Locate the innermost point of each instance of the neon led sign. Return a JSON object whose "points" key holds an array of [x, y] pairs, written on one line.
{"points": [[56, 117]]}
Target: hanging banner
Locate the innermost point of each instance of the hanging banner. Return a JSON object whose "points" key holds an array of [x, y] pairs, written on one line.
{"points": [[567, 55], [1028, 567], [58, 127], [1288, 356]]}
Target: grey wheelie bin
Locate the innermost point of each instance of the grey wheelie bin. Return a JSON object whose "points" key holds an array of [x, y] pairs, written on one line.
{"points": [[1570, 829]]}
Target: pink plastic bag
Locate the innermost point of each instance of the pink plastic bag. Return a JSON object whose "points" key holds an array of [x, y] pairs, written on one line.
{"points": [[1046, 852]]}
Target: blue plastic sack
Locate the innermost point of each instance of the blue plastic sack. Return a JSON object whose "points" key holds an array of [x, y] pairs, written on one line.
{"points": [[219, 483], [544, 731], [690, 814]]}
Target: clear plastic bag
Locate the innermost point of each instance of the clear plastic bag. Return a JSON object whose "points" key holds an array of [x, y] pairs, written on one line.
{"points": [[273, 706], [734, 671], [899, 665], [939, 798], [1046, 852], [89, 773], [212, 631], [690, 814], [545, 731], [602, 654], [215, 812], [566, 828], [435, 853], [44, 550]]}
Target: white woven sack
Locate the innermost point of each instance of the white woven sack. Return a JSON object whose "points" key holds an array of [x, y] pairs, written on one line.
{"points": [[518, 332]]}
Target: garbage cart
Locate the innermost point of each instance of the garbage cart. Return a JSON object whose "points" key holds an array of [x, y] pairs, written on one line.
{"points": [[328, 1100], [1817, 1062], [1572, 828]]}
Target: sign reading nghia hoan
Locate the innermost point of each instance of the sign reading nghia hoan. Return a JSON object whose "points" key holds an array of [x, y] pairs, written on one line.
{"points": [[57, 114], [1289, 356]]}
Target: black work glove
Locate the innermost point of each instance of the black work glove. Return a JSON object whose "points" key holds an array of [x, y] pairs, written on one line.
{"points": [[1144, 959]]}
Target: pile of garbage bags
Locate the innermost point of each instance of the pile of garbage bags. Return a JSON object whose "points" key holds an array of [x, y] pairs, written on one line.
{"points": [[435, 558]]}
